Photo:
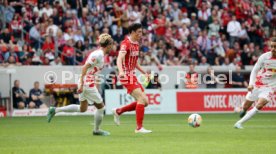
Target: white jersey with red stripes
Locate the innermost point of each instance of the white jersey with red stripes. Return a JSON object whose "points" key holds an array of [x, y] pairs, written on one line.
{"points": [[96, 60], [132, 53], [263, 74]]}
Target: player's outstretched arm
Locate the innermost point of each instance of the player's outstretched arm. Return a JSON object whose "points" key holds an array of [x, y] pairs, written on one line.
{"points": [[138, 66]]}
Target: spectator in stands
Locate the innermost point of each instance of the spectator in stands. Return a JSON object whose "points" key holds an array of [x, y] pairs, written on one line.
{"points": [[60, 39], [243, 35], [159, 25], [47, 9], [8, 12], [20, 98], [245, 21], [227, 63], [86, 29], [234, 29], [78, 36], [26, 51], [68, 53], [238, 79], [194, 49], [214, 28], [6, 37], [154, 83], [53, 27], [194, 20], [56, 62], [118, 37], [214, 43], [211, 79], [195, 30], [191, 78], [229, 52], [48, 48], [186, 20], [11, 53], [35, 36], [35, 97], [203, 14], [202, 41], [171, 59], [203, 61], [16, 26]]}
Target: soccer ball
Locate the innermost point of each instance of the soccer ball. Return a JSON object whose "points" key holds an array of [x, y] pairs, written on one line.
{"points": [[194, 120]]}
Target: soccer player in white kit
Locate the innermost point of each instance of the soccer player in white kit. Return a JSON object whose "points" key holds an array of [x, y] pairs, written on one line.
{"points": [[261, 86], [88, 93]]}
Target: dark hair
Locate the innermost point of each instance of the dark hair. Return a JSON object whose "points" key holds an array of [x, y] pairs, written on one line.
{"points": [[134, 27]]}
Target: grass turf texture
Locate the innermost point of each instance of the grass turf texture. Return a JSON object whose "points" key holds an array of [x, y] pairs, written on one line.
{"points": [[171, 135]]}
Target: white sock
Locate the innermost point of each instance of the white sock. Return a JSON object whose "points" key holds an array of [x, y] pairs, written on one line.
{"points": [[69, 108], [248, 115], [98, 118]]}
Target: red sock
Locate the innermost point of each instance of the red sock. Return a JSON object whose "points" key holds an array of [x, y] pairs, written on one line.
{"points": [[127, 108], [140, 111]]}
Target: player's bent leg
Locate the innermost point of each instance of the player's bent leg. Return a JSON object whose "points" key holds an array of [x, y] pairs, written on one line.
{"points": [[69, 108], [139, 96], [261, 103], [246, 105], [119, 111], [142, 101], [98, 118], [83, 106]]}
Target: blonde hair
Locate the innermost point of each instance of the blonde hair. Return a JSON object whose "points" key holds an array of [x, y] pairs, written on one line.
{"points": [[105, 39]]}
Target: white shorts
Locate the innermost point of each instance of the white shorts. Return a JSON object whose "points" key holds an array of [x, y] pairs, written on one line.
{"points": [[91, 95], [266, 93]]}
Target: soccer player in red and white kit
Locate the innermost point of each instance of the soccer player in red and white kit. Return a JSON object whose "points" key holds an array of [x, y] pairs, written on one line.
{"points": [[88, 93], [127, 62], [262, 84]]}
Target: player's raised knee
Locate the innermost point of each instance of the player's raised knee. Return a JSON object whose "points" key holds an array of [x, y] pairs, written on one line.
{"points": [[145, 101], [261, 103]]}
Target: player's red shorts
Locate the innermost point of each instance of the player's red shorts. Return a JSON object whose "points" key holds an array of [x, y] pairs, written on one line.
{"points": [[131, 83]]}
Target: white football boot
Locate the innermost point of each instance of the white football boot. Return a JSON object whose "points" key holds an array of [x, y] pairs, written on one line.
{"points": [[116, 117], [238, 126], [143, 131]]}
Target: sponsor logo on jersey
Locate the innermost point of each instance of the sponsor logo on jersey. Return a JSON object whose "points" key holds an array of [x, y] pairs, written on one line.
{"points": [[134, 53]]}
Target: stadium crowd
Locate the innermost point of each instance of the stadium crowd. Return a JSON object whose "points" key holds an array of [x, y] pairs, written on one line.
{"points": [[175, 32]]}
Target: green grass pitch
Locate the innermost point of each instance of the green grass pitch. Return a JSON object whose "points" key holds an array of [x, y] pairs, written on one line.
{"points": [[171, 135]]}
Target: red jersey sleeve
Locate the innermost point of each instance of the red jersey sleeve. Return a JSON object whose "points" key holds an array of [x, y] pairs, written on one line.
{"points": [[124, 48]]}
